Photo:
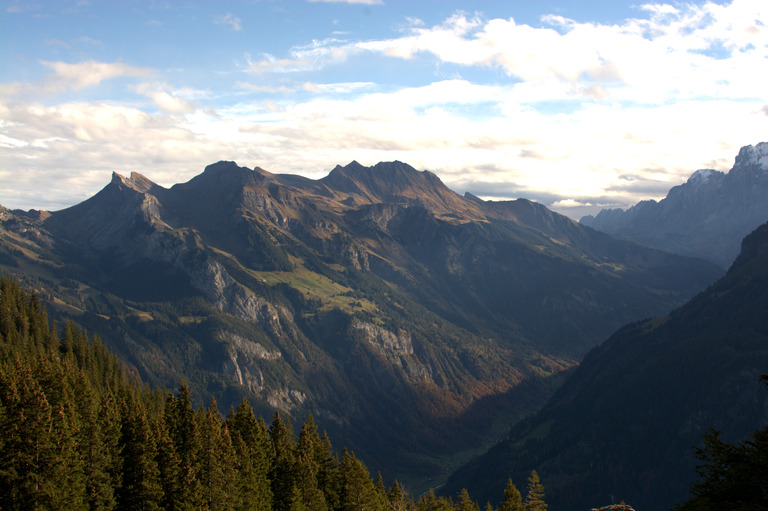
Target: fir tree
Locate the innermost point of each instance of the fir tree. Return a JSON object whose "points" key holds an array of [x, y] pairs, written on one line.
{"points": [[534, 500], [281, 473], [431, 502], [168, 466], [398, 499], [328, 479], [216, 461], [140, 489], [358, 492], [183, 430], [465, 503], [513, 501], [307, 467], [250, 440]]}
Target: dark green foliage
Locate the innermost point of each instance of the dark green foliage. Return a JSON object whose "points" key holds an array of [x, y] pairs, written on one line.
{"points": [[78, 432], [465, 503], [731, 476], [513, 501], [254, 452], [431, 502], [534, 499], [357, 490], [140, 488], [624, 421]]}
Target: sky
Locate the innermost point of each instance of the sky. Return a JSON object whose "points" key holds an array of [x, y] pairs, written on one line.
{"points": [[578, 105]]}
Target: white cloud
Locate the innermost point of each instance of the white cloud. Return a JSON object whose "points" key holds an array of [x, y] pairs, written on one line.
{"points": [[570, 203], [168, 102], [89, 73], [338, 88], [282, 89], [307, 57], [651, 60], [593, 114], [269, 63]]}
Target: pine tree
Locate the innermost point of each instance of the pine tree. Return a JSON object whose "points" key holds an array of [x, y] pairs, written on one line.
{"points": [[465, 503], [398, 499], [252, 445], [28, 449], [216, 461], [140, 489], [307, 467], [183, 431], [534, 500], [94, 447], [513, 501], [358, 492], [328, 479], [281, 472], [431, 502]]}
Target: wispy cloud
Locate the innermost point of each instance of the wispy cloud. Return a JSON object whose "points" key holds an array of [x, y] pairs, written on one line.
{"points": [[308, 57], [232, 21]]}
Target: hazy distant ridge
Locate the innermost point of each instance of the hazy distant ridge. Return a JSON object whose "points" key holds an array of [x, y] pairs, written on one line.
{"points": [[705, 217]]}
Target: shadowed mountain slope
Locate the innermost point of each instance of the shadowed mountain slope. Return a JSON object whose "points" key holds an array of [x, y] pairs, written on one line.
{"points": [[412, 322], [623, 424]]}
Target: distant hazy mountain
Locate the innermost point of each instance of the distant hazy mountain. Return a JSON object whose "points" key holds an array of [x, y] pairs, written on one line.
{"points": [[623, 425], [705, 217], [411, 321]]}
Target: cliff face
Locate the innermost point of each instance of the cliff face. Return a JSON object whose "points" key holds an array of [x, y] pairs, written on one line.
{"points": [[408, 319], [705, 217]]}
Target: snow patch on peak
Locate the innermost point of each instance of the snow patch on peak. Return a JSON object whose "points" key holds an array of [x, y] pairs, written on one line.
{"points": [[753, 155], [701, 176]]}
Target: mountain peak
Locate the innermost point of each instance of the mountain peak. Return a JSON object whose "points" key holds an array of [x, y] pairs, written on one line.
{"points": [[756, 155], [704, 176], [221, 166], [136, 182], [707, 216]]}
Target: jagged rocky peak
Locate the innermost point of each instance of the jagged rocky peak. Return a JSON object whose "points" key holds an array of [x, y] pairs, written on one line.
{"points": [[136, 182], [704, 176], [756, 155], [388, 169]]}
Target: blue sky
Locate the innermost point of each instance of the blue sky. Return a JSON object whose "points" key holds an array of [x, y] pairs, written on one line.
{"points": [[578, 105]]}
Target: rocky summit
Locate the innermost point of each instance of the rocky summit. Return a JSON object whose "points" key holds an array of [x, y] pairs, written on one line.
{"points": [[413, 323], [707, 216]]}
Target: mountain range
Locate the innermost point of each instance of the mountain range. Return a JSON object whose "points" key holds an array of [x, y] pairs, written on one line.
{"points": [[706, 217], [623, 425], [415, 324]]}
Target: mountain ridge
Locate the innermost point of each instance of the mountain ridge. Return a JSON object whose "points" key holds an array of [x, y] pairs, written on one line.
{"points": [[707, 216], [344, 297], [622, 424]]}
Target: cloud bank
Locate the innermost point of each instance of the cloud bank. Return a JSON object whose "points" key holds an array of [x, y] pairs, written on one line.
{"points": [[576, 115]]}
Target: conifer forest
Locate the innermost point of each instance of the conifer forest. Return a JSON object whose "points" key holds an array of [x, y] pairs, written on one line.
{"points": [[80, 431]]}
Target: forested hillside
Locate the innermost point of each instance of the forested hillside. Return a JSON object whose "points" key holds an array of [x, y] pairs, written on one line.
{"points": [[623, 424], [413, 323], [79, 431]]}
